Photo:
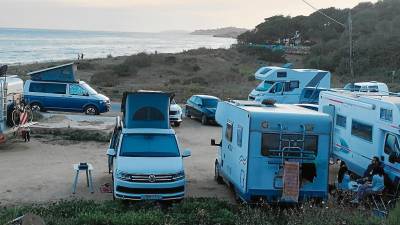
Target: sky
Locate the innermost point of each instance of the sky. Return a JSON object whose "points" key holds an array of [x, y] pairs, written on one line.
{"points": [[151, 15]]}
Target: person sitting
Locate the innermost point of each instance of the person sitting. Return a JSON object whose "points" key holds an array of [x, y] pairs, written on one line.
{"points": [[371, 170], [377, 185], [343, 178]]}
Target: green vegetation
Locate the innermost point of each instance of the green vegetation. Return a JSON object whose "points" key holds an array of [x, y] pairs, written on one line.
{"points": [[192, 211], [376, 39]]}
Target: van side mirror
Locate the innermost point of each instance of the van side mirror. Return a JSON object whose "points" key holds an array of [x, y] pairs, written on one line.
{"points": [[186, 153], [86, 94], [215, 144], [111, 152]]}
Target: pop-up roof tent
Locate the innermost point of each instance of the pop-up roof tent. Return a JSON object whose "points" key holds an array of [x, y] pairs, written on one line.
{"points": [[146, 109], [62, 73]]}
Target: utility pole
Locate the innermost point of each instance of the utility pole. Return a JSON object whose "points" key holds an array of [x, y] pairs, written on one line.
{"points": [[351, 47]]}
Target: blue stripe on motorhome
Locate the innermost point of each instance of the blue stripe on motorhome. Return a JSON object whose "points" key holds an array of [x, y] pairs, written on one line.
{"points": [[315, 81]]}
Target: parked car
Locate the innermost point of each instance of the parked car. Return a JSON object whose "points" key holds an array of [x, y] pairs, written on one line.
{"points": [[202, 107], [175, 114], [65, 96], [144, 154]]}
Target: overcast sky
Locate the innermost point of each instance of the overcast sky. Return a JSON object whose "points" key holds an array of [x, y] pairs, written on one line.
{"points": [[151, 15]]}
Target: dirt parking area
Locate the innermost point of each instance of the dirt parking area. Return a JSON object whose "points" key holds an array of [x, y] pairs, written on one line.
{"points": [[41, 170]]}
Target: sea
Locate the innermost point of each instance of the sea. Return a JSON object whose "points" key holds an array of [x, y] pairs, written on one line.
{"points": [[23, 46]]}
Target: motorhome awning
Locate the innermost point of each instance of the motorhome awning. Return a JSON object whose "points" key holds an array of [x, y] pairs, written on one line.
{"points": [[64, 73], [146, 109]]}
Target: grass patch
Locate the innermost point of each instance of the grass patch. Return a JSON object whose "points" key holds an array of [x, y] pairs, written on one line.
{"points": [[192, 211]]}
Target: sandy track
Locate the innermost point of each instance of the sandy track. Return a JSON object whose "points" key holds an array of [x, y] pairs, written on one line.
{"points": [[41, 171]]}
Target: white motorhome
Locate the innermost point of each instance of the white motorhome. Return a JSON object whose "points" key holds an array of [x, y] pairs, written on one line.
{"points": [[364, 126], [371, 87], [285, 85]]}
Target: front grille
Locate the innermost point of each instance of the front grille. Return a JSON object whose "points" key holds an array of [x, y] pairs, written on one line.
{"points": [[145, 178], [173, 112], [150, 190]]}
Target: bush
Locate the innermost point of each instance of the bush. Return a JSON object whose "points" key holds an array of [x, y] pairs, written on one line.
{"points": [[264, 54], [140, 60], [104, 78], [85, 66]]}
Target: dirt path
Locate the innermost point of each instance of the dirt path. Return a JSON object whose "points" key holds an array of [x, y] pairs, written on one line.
{"points": [[41, 170]]}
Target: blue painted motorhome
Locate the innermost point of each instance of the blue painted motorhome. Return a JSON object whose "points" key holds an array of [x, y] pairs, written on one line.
{"points": [[56, 88], [144, 154], [259, 139]]}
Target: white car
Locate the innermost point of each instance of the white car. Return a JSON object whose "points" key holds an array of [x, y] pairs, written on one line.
{"points": [[175, 114]]}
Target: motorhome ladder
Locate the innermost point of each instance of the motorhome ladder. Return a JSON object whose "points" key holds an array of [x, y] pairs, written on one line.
{"points": [[286, 147], [291, 182]]}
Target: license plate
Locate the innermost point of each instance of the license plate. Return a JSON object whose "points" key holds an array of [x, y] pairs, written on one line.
{"points": [[151, 197]]}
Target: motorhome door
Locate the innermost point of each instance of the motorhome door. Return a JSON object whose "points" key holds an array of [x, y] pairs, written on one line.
{"points": [[391, 153]]}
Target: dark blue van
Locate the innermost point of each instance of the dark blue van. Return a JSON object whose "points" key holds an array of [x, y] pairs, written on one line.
{"points": [[65, 96]]}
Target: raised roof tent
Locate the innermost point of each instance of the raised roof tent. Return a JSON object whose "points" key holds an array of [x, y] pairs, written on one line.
{"points": [[61, 73], [146, 109]]}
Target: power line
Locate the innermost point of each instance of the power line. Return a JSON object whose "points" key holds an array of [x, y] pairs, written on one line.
{"points": [[324, 14]]}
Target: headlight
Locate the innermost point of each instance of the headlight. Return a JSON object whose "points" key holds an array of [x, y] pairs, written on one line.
{"points": [[179, 176], [122, 175]]}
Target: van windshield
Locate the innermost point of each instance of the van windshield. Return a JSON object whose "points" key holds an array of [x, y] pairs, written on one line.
{"points": [[149, 145], [264, 86], [89, 89]]}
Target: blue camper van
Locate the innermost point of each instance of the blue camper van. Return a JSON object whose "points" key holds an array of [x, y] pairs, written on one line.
{"points": [[57, 89], [273, 153], [144, 154]]}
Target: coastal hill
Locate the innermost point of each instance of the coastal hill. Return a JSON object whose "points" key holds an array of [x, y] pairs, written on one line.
{"points": [[228, 32], [376, 35]]}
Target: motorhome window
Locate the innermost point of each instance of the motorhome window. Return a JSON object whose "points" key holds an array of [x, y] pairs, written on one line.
{"points": [[149, 145], [281, 74], [55, 88], [229, 131], [391, 145], [75, 89], [278, 87], [373, 89], [239, 135], [264, 86], [290, 86], [386, 114], [148, 114], [210, 103], [361, 130], [341, 121], [270, 143]]}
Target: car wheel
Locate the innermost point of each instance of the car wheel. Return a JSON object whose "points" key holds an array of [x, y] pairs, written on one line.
{"points": [[177, 124], [36, 107], [187, 114], [91, 110], [204, 120], [217, 176]]}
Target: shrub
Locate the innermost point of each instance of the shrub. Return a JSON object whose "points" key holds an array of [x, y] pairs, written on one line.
{"points": [[104, 78]]}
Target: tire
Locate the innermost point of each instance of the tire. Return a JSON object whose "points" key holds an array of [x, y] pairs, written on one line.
{"points": [[177, 124], [187, 114], [36, 107], [217, 176], [91, 110], [204, 120]]}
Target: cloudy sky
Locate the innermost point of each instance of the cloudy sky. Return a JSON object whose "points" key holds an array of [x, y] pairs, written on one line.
{"points": [[151, 15]]}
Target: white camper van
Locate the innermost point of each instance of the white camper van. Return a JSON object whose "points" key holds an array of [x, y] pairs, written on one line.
{"points": [[285, 85], [365, 126], [371, 87]]}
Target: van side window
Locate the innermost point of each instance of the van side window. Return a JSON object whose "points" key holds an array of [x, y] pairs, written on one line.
{"points": [[281, 74], [386, 114], [55, 88], [270, 143], [36, 87], [229, 131], [341, 121], [75, 89], [290, 86], [391, 145], [239, 135], [148, 114], [361, 130]]}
